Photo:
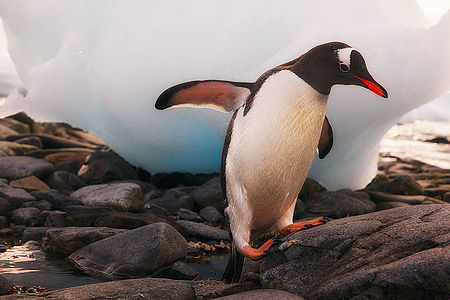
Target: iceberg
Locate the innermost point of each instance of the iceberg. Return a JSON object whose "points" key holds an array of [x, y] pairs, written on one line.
{"points": [[100, 65]]}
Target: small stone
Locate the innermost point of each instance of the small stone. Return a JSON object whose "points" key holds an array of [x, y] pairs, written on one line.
{"points": [[186, 214], [26, 216], [401, 184], [30, 183], [44, 205], [204, 232], [65, 181], [121, 196], [15, 197], [209, 194], [30, 204], [5, 208], [211, 214], [3, 222], [53, 218], [15, 167]]}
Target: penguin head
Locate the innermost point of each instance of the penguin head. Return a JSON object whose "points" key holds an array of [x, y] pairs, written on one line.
{"points": [[335, 63]]}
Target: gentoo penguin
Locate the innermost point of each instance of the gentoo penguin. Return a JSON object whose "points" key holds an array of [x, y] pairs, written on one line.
{"points": [[278, 123]]}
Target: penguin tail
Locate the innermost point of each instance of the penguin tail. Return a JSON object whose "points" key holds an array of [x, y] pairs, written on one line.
{"points": [[234, 267]]}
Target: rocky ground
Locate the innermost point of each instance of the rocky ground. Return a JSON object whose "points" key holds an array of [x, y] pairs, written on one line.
{"points": [[64, 191]]}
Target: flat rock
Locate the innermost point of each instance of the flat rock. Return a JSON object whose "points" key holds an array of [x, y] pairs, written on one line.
{"points": [[15, 167], [30, 183], [139, 252], [209, 194], [400, 253], [15, 197], [121, 196], [26, 216], [339, 204], [64, 181], [401, 184], [34, 233], [102, 167], [204, 232], [262, 294], [64, 241]]}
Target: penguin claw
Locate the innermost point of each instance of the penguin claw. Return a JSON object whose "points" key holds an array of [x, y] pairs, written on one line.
{"points": [[325, 219]]}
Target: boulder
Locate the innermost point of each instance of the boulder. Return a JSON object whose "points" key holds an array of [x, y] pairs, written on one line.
{"points": [[30, 183], [64, 181], [339, 204], [211, 214], [64, 241], [120, 196], [139, 252], [400, 253], [204, 233], [15, 197], [401, 184], [209, 194], [102, 167], [15, 167], [26, 216]]}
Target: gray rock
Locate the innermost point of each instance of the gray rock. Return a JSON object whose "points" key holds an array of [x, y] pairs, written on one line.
{"points": [[209, 194], [171, 202], [15, 197], [179, 271], [339, 204], [139, 252], [211, 214], [26, 216], [401, 184], [87, 210], [133, 289], [5, 208], [55, 218], [309, 188], [44, 205], [58, 200], [3, 222], [146, 187], [400, 253], [64, 241], [186, 214], [5, 285], [102, 167], [65, 181], [121, 196], [15, 167], [262, 294], [204, 232], [34, 233], [30, 204]]}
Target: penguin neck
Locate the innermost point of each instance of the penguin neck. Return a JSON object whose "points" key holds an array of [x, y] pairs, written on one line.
{"points": [[317, 73]]}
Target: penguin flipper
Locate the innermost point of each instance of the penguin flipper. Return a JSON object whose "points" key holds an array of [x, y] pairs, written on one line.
{"points": [[234, 267], [225, 96], [326, 139]]}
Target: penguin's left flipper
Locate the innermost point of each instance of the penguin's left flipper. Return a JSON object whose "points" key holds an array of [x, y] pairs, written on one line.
{"points": [[304, 225], [225, 96], [326, 139]]}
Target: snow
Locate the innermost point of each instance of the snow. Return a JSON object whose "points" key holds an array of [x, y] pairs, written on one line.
{"points": [[100, 65]]}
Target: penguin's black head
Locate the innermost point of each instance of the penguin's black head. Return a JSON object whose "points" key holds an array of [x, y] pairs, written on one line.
{"points": [[335, 63]]}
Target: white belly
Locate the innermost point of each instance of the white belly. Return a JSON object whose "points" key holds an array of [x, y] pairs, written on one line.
{"points": [[272, 148]]}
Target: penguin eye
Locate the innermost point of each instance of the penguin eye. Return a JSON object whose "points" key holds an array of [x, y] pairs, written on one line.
{"points": [[344, 68]]}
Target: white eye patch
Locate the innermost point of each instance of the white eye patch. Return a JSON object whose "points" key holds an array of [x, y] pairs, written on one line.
{"points": [[343, 56]]}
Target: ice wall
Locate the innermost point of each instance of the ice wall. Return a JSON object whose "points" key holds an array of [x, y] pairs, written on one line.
{"points": [[100, 65]]}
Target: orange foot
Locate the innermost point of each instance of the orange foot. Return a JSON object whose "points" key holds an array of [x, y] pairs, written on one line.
{"points": [[304, 225], [257, 253]]}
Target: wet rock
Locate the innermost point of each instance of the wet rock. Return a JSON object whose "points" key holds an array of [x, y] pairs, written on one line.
{"points": [[138, 288], [15, 197], [171, 202], [3, 222], [30, 183], [204, 232], [58, 200], [401, 184], [121, 196], [64, 241], [54, 218], [400, 253], [178, 271], [34, 233], [389, 205], [32, 141], [26, 216], [102, 167], [262, 294], [186, 214], [211, 214], [209, 194], [5, 208], [65, 181], [13, 149], [15, 167], [5, 285], [339, 204], [138, 252]]}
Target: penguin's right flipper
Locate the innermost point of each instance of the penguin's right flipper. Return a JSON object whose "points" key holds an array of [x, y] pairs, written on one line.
{"points": [[234, 267], [326, 139], [225, 96]]}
